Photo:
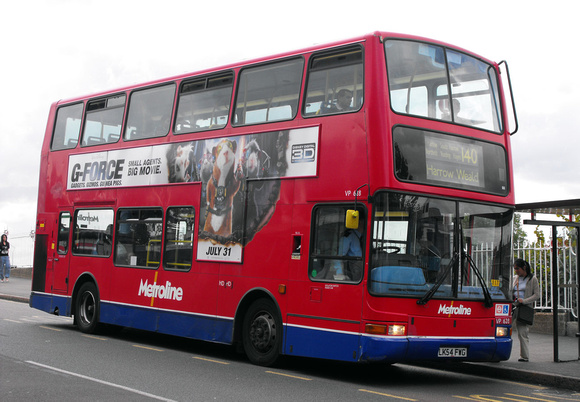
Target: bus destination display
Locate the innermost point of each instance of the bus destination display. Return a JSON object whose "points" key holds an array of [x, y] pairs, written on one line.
{"points": [[454, 161]]}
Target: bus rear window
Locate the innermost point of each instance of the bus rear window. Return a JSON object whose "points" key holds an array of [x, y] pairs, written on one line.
{"points": [[67, 127]]}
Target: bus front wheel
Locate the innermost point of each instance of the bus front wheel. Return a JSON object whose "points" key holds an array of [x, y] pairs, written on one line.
{"points": [[262, 333], [87, 308]]}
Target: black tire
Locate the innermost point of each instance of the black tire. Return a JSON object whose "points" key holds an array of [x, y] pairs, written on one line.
{"points": [[262, 333], [87, 308]]}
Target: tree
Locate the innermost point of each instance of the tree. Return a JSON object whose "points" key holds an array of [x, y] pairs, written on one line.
{"points": [[540, 236], [520, 235]]}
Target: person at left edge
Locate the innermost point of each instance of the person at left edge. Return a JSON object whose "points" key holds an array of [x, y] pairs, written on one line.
{"points": [[4, 259]]}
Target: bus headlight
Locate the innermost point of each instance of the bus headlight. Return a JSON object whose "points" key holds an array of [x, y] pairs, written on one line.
{"points": [[397, 330], [501, 332]]}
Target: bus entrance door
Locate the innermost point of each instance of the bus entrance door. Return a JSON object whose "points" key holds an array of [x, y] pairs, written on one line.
{"points": [[61, 253]]}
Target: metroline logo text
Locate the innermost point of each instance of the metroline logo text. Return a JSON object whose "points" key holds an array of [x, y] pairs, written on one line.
{"points": [[444, 309], [160, 291]]}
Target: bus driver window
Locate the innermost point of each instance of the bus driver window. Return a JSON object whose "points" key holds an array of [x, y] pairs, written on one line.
{"points": [[337, 254]]}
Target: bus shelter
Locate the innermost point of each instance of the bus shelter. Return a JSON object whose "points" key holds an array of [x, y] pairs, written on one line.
{"points": [[567, 208]]}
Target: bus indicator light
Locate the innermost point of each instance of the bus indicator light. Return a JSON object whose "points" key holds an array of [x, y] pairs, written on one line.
{"points": [[376, 329]]}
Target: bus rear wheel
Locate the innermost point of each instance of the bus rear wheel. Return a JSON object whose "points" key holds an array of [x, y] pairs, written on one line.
{"points": [[262, 333], [87, 308]]}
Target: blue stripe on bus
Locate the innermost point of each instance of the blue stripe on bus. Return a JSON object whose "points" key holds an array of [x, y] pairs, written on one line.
{"points": [[53, 304], [170, 322], [202, 327], [325, 344]]}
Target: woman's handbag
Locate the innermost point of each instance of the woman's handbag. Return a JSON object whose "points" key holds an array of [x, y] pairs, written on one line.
{"points": [[525, 314]]}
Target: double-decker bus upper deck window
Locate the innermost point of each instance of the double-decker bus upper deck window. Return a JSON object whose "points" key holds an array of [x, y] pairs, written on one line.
{"points": [[150, 112], [204, 104], [438, 83], [268, 92], [103, 121], [335, 83], [67, 128]]}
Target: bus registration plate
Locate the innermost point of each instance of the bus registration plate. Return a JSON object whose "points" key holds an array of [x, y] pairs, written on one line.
{"points": [[452, 352]]}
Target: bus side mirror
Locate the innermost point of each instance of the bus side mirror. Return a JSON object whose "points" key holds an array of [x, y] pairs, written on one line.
{"points": [[351, 219]]}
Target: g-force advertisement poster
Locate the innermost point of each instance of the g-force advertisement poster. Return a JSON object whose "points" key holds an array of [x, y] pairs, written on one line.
{"points": [[240, 178]]}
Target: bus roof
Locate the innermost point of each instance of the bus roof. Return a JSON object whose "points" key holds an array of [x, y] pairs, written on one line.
{"points": [[238, 65]]}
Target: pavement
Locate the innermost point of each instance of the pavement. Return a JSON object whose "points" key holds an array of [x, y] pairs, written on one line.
{"points": [[540, 370]]}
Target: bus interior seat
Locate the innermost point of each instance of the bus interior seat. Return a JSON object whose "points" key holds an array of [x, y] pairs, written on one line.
{"points": [[95, 140], [402, 260]]}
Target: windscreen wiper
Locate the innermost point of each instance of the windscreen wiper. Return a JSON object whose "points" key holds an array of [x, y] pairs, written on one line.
{"points": [[486, 295], [431, 292]]}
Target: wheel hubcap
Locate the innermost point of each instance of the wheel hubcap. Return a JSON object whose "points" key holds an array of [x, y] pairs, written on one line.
{"points": [[87, 308], [263, 332]]}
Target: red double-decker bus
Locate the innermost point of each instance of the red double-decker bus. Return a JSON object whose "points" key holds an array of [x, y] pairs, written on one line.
{"points": [[351, 201]]}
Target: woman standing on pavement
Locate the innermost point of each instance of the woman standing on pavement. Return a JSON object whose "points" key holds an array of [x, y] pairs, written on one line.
{"points": [[4, 259], [526, 292]]}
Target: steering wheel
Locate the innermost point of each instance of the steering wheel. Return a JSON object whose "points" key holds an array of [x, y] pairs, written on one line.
{"points": [[395, 248]]}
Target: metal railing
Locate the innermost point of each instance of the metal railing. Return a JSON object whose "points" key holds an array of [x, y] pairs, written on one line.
{"points": [[540, 260], [21, 251]]}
